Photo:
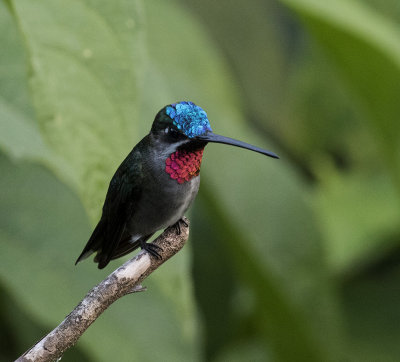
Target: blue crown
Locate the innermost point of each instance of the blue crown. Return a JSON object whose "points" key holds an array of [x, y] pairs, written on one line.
{"points": [[189, 118]]}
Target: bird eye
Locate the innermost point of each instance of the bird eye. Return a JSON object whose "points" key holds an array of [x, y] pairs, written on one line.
{"points": [[171, 131]]}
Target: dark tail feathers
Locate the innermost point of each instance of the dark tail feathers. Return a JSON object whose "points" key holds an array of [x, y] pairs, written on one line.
{"points": [[93, 244]]}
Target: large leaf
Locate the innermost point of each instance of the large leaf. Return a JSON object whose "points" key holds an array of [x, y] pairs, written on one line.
{"points": [[13, 67], [19, 135], [42, 226], [260, 65], [358, 217], [260, 198], [86, 73], [85, 60], [365, 47], [360, 210]]}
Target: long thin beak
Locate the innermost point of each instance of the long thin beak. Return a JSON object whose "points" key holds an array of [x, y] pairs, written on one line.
{"points": [[215, 138]]}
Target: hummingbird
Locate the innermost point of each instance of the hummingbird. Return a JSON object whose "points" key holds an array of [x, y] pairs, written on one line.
{"points": [[156, 183]]}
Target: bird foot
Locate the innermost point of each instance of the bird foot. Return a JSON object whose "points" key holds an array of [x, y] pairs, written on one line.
{"points": [[152, 249], [177, 225]]}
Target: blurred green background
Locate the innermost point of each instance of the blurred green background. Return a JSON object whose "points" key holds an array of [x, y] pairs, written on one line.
{"points": [[289, 260]]}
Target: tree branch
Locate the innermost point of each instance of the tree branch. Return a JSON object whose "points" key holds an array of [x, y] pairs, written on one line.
{"points": [[125, 280]]}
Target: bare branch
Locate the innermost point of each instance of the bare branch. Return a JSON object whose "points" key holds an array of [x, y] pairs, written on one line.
{"points": [[125, 280]]}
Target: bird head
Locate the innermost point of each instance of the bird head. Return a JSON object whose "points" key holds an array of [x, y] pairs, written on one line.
{"points": [[186, 125]]}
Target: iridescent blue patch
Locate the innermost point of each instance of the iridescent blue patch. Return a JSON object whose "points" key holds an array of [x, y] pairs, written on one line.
{"points": [[189, 118]]}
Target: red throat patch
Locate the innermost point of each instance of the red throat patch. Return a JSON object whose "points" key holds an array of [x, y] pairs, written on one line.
{"points": [[183, 165]]}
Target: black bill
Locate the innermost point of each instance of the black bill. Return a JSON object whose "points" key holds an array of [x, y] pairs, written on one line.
{"points": [[215, 138]]}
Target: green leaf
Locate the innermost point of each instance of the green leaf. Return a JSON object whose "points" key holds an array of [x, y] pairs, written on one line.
{"points": [[371, 304], [19, 135], [21, 139], [357, 215], [262, 199], [260, 65], [85, 61], [251, 351], [42, 229], [13, 67], [364, 45], [19, 329], [87, 73]]}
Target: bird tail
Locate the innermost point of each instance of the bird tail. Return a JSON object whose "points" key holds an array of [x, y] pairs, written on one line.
{"points": [[110, 251], [94, 243]]}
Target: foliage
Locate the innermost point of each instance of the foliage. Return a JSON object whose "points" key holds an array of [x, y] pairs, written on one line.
{"points": [[295, 259]]}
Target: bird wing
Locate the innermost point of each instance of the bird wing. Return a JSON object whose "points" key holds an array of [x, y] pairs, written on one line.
{"points": [[119, 206], [126, 246]]}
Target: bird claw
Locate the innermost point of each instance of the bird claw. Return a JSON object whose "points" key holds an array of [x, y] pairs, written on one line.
{"points": [[152, 249], [177, 225]]}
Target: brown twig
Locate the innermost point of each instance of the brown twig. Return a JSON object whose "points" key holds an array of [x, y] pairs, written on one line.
{"points": [[125, 280]]}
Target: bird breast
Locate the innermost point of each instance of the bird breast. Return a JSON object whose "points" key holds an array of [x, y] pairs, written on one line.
{"points": [[183, 165], [172, 183]]}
